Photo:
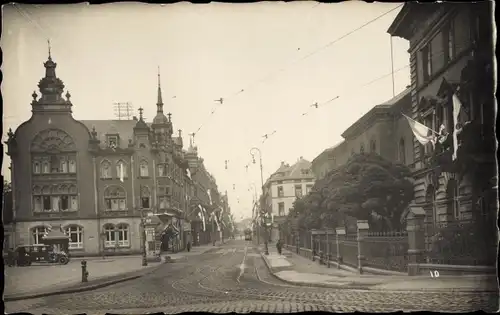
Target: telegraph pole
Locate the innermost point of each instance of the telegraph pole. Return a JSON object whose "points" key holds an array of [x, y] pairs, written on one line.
{"points": [[123, 110]]}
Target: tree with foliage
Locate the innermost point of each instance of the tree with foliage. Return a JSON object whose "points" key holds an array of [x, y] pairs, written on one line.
{"points": [[367, 187]]}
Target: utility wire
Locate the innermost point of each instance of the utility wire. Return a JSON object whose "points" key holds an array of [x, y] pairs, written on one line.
{"points": [[311, 108], [271, 74]]}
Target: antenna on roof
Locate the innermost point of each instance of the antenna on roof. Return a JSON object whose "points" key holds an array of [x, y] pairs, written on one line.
{"points": [[123, 110]]}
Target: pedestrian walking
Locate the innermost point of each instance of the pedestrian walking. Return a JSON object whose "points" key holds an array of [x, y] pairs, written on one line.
{"points": [[189, 242], [279, 246]]}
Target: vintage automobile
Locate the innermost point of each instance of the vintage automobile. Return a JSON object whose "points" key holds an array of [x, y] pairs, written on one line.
{"points": [[25, 255]]}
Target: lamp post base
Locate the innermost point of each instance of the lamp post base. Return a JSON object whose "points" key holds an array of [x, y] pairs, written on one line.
{"points": [[267, 249], [144, 260]]}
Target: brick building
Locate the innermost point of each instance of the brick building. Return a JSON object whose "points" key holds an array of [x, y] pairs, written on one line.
{"points": [[451, 53], [95, 179], [383, 130]]}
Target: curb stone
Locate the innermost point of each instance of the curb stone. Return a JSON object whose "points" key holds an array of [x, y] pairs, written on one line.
{"points": [[99, 283], [359, 286]]}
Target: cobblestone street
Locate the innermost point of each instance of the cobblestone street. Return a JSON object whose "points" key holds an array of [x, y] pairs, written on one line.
{"points": [[234, 278]]}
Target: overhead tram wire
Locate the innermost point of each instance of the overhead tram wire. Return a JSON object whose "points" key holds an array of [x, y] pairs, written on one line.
{"points": [[316, 105], [319, 105], [271, 74]]}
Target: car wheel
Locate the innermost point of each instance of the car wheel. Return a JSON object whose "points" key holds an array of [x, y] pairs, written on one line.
{"points": [[63, 260]]}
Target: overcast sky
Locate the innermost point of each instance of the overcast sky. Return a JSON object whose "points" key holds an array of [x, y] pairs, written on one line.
{"points": [[275, 52]]}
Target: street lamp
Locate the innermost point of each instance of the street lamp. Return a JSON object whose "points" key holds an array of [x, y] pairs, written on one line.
{"points": [[254, 149]]}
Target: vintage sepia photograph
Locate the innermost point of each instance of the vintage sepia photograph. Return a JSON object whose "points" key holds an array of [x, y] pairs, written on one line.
{"points": [[274, 157]]}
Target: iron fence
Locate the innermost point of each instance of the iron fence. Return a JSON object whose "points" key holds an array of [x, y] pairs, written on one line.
{"points": [[386, 250], [349, 250], [463, 242]]}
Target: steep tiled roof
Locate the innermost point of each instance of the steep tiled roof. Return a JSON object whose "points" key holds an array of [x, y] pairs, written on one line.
{"points": [[125, 128], [296, 170], [293, 172]]}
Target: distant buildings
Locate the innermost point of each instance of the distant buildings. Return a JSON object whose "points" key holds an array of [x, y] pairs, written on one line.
{"points": [[94, 179], [283, 187], [382, 130]]}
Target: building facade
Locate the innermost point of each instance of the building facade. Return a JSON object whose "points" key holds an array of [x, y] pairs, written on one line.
{"points": [[451, 55], [383, 130], [282, 188], [96, 179]]}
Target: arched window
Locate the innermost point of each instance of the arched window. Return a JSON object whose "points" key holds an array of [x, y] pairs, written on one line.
{"points": [[105, 169], [373, 146], [115, 198], [38, 233], [123, 235], [36, 167], [161, 170], [63, 165], [362, 148], [145, 197], [109, 235], [430, 199], [143, 169], [45, 167], [72, 165], [402, 151], [121, 169], [75, 234], [453, 206]]}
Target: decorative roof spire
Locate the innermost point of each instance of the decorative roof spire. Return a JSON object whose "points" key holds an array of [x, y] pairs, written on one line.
{"points": [[159, 103], [141, 124], [48, 42]]}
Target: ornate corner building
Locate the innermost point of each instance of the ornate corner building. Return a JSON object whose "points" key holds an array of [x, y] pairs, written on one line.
{"points": [[451, 62], [96, 179]]}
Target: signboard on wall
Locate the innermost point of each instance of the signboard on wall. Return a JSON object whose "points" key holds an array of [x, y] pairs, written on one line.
{"points": [[186, 226]]}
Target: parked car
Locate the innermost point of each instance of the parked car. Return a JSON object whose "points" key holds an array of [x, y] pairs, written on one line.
{"points": [[25, 255]]}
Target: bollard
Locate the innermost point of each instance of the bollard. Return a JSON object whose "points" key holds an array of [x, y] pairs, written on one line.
{"points": [[85, 273]]}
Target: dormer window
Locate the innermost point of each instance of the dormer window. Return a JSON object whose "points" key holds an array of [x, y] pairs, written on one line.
{"points": [[112, 141]]}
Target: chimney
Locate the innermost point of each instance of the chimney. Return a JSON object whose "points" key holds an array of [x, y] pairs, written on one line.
{"points": [[282, 163]]}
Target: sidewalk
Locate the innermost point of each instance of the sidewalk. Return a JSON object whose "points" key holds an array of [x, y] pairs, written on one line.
{"points": [[298, 270], [43, 280]]}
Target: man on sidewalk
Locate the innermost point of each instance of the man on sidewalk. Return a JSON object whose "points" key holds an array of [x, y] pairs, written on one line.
{"points": [[279, 246]]}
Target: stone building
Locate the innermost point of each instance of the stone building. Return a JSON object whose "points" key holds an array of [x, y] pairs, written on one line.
{"points": [[95, 179], [282, 188], [205, 199], [451, 54], [383, 130]]}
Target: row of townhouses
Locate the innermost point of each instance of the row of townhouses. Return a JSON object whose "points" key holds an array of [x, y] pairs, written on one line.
{"points": [[98, 180], [451, 93]]}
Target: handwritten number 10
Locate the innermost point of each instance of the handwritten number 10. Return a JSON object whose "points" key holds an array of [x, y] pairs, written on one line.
{"points": [[434, 274]]}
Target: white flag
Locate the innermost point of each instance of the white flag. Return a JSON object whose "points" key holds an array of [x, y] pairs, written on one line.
{"points": [[202, 217], [209, 196], [121, 172], [188, 173], [420, 131], [457, 105]]}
